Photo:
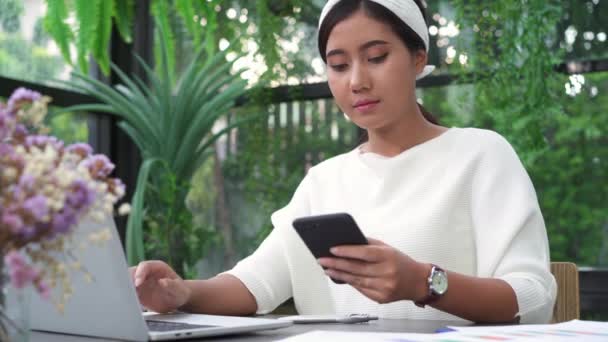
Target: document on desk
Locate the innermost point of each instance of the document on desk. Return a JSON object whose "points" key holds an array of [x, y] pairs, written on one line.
{"points": [[575, 330], [572, 331], [345, 336]]}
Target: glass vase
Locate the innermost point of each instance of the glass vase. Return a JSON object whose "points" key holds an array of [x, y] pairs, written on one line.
{"points": [[14, 310]]}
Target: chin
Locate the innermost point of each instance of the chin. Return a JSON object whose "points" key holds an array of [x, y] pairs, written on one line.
{"points": [[369, 123]]}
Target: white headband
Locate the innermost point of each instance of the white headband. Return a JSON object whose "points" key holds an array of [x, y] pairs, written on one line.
{"points": [[407, 11]]}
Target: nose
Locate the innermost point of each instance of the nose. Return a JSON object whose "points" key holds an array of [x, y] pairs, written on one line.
{"points": [[359, 78]]}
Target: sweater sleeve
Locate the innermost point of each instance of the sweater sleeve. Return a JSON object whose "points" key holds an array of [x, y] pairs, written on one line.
{"points": [[510, 234], [266, 272]]}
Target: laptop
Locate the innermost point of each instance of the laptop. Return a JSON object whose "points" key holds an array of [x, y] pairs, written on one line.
{"points": [[108, 307]]}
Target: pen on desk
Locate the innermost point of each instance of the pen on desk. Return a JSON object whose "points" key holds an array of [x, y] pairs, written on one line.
{"points": [[360, 318], [444, 330]]}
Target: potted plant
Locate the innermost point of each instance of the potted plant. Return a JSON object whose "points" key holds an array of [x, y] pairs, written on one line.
{"points": [[172, 126]]}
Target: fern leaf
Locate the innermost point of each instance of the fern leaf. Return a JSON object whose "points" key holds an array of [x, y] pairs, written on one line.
{"points": [[102, 38], [87, 12], [186, 11], [124, 11], [55, 24], [210, 29], [160, 10]]}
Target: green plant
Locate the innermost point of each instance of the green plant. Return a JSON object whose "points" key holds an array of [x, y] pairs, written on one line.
{"points": [[513, 61], [10, 11], [172, 233], [69, 127], [202, 21], [571, 175], [559, 135], [20, 58], [172, 127], [91, 29]]}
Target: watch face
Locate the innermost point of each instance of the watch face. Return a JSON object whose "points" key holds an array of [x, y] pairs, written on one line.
{"points": [[439, 282]]}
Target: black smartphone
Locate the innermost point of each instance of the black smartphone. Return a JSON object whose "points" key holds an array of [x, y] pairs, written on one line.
{"points": [[322, 232]]}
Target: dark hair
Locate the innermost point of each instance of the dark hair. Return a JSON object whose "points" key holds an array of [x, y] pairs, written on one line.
{"points": [[345, 8]]}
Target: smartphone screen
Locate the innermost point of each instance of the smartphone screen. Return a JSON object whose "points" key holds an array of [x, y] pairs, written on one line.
{"points": [[322, 232]]}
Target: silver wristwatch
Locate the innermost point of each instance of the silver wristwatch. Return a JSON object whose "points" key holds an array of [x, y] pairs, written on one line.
{"points": [[438, 285]]}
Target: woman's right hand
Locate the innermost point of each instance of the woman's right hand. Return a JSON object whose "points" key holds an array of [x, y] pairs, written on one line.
{"points": [[158, 287]]}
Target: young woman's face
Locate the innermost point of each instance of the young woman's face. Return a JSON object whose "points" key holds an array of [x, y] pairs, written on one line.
{"points": [[370, 71]]}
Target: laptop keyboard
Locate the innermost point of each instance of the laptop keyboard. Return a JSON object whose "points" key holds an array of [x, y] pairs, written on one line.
{"points": [[160, 326]]}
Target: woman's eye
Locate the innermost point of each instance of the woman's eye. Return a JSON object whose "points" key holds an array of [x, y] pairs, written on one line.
{"points": [[379, 59], [339, 67]]}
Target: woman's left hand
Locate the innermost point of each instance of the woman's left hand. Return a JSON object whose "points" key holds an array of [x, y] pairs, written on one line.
{"points": [[379, 271]]}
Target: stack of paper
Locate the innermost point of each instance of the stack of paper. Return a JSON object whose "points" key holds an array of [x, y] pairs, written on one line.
{"points": [[572, 331]]}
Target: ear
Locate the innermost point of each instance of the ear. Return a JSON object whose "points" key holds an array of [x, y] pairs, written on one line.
{"points": [[420, 59]]}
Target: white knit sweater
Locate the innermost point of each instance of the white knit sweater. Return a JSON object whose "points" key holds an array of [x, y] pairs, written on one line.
{"points": [[462, 201]]}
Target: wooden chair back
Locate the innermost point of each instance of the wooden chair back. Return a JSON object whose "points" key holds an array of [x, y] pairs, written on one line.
{"points": [[567, 305]]}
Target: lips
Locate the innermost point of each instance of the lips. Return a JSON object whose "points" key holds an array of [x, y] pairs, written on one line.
{"points": [[365, 103], [366, 106]]}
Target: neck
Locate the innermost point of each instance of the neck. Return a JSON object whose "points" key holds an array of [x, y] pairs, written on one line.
{"points": [[400, 136]]}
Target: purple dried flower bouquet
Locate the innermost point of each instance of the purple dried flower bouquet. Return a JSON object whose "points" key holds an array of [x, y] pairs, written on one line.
{"points": [[46, 189]]}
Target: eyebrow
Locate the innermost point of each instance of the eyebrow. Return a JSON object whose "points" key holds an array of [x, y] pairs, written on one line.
{"points": [[361, 48]]}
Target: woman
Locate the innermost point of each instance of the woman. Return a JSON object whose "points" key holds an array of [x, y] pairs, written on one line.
{"points": [[451, 215]]}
